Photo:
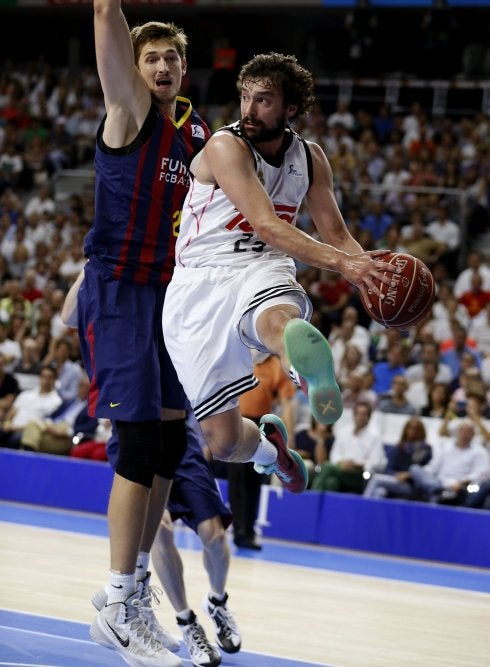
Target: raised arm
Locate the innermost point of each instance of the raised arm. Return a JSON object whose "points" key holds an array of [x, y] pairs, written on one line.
{"points": [[126, 95]]}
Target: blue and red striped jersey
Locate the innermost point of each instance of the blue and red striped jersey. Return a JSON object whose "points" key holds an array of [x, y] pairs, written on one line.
{"points": [[139, 192]]}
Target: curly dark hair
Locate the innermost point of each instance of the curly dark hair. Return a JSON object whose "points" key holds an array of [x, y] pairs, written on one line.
{"points": [[286, 74], [155, 30]]}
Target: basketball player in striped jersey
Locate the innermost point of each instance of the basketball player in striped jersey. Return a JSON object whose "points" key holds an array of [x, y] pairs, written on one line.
{"points": [[234, 286], [194, 498], [143, 149]]}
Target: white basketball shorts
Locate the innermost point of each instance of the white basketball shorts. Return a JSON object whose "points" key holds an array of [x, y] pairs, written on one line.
{"points": [[209, 320]]}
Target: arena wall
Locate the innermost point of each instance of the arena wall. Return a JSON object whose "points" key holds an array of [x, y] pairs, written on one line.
{"points": [[390, 527]]}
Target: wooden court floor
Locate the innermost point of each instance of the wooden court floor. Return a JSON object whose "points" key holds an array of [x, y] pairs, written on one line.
{"points": [[296, 605]]}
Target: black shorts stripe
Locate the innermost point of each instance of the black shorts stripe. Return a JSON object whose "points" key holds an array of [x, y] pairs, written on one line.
{"points": [[210, 405], [272, 293]]}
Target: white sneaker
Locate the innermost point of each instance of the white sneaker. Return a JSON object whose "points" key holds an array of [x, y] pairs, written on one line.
{"points": [[119, 626], [150, 594], [201, 652], [227, 632], [147, 594]]}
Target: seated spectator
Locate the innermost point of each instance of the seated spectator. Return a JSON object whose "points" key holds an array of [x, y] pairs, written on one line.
{"points": [[343, 336], [438, 401], [352, 362], [395, 480], [361, 336], [53, 434], [385, 371], [9, 388], [382, 339], [27, 369], [313, 444], [415, 219], [446, 312], [30, 404], [68, 371], [29, 290], [396, 400], [469, 382], [61, 149], [35, 163], [476, 298], [475, 264], [356, 449], [333, 293], [342, 115], [13, 301], [396, 176], [11, 165], [429, 353], [418, 392], [9, 348], [41, 202], [418, 243], [453, 466], [479, 330], [73, 264], [446, 231], [377, 220], [357, 389], [453, 348], [392, 239]]}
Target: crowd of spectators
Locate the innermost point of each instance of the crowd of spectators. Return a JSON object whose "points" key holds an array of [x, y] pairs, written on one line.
{"points": [[404, 180]]}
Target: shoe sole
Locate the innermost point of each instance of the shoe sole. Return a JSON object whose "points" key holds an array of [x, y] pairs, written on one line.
{"points": [[99, 637], [279, 424], [311, 356]]}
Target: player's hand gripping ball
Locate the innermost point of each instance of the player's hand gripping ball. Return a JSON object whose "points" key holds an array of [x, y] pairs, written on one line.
{"points": [[408, 300]]}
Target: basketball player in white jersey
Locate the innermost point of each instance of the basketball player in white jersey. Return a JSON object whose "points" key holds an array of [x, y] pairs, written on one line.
{"points": [[234, 286]]}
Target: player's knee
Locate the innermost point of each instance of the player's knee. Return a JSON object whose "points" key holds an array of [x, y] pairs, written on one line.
{"points": [[223, 443], [139, 450], [165, 533], [173, 447], [212, 534]]}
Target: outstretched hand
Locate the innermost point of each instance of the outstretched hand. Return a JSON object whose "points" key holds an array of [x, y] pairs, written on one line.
{"points": [[367, 269]]}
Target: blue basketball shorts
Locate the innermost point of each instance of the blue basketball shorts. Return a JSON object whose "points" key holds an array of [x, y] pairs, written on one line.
{"points": [[131, 375]]}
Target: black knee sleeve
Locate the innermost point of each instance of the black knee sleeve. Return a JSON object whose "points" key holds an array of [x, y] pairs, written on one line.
{"points": [[139, 450], [174, 444]]}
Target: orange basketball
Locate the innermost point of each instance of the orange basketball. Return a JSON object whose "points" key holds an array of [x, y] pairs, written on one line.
{"points": [[409, 299]]}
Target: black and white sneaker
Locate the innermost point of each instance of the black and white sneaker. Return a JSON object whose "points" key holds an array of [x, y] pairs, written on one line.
{"points": [[148, 596], [119, 626], [201, 652], [227, 632]]}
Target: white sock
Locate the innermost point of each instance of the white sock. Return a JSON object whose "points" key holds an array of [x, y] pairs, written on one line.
{"points": [[121, 586], [142, 565], [266, 452]]}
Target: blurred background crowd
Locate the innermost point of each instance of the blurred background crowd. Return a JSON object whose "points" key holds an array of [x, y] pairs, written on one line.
{"points": [[406, 178]]}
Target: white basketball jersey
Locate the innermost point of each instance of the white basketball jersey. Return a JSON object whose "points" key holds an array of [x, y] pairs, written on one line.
{"points": [[214, 233]]}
